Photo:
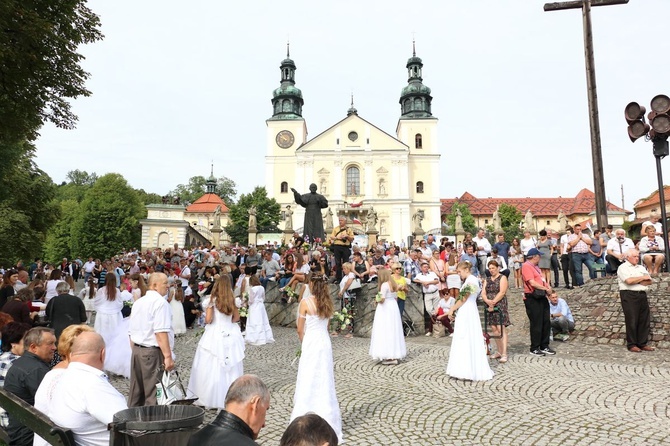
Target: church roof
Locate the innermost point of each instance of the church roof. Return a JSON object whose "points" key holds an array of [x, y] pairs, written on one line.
{"points": [[653, 198], [207, 203], [583, 203]]}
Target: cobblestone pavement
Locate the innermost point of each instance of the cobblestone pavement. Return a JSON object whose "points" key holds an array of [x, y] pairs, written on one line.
{"points": [[586, 395]]}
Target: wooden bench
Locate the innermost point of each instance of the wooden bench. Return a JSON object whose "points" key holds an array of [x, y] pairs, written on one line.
{"points": [[33, 419]]}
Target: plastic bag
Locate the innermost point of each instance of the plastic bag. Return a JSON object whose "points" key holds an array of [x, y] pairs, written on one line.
{"points": [[169, 389]]}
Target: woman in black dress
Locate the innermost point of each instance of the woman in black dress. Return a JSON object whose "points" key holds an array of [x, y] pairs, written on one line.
{"points": [[494, 295]]}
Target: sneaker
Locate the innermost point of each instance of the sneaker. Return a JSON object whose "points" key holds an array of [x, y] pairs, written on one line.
{"points": [[537, 353], [429, 334], [562, 337], [548, 351]]}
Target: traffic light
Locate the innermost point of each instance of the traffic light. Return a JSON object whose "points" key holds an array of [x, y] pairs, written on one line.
{"points": [[637, 128], [659, 116]]}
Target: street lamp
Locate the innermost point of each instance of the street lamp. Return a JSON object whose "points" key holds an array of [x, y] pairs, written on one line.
{"points": [[658, 131]]}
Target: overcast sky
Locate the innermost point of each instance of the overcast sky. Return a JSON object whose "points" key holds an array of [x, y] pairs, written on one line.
{"points": [[179, 84]]}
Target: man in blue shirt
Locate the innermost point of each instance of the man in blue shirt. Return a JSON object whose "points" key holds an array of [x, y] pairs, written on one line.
{"points": [[470, 256], [562, 321], [503, 247]]}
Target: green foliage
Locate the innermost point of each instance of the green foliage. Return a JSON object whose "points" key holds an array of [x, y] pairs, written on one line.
{"points": [[197, 186], [467, 218], [267, 215], [79, 182], [59, 238], [108, 219], [39, 65], [27, 209], [148, 197], [509, 221]]}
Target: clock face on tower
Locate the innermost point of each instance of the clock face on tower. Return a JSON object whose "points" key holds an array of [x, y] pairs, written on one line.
{"points": [[285, 139]]}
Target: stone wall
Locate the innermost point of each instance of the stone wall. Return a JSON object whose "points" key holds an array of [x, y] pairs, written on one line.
{"points": [[364, 308], [599, 318]]}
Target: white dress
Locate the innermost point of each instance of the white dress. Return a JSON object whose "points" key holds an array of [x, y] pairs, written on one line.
{"points": [[388, 339], [453, 280], [467, 357], [108, 314], [218, 360], [117, 349], [315, 386], [258, 326], [178, 319]]}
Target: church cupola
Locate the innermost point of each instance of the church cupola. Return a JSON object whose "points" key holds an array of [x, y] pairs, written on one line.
{"points": [[352, 110], [287, 99], [415, 98], [211, 182]]}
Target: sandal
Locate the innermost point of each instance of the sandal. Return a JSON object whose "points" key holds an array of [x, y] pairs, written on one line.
{"points": [[503, 359], [497, 355], [334, 334], [349, 335]]}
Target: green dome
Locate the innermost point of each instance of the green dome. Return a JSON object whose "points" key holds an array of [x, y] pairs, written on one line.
{"points": [[287, 90], [415, 88], [287, 61], [414, 60]]}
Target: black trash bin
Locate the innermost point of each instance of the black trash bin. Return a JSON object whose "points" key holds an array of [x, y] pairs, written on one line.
{"points": [[155, 425]]}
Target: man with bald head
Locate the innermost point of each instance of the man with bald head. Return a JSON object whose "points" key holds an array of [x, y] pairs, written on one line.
{"points": [[152, 341], [83, 399]]}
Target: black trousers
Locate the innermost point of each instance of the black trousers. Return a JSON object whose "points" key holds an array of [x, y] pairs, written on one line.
{"points": [[568, 268], [636, 314], [613, 262], [341, 254], [540, 321], [554, 266]]}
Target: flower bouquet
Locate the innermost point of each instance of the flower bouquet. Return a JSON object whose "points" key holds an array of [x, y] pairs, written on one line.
{"points": [[298, 354], [379, 298], [244, 312], [290, 292], [466, 291], [343, 319]]}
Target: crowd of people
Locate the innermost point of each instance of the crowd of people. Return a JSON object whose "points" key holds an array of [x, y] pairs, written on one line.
{"points": [[149, 297]]}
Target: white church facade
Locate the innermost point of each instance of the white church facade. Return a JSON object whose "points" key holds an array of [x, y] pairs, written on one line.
{"points": [[357, 166]]}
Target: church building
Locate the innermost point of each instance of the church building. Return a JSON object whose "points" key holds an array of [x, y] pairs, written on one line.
{"points": [[357, 166]]}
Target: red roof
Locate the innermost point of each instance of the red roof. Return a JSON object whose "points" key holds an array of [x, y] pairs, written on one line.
{"points": [[583, 203], [652, 199], [207, 203]]}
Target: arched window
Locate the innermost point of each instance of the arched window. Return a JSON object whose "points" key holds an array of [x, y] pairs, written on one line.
{"points": [[284, 187], [418, 141], [419, 187], [353, 181]]}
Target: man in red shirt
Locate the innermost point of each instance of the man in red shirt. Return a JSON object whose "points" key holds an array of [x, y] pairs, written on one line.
{"points": [[537, 307]]}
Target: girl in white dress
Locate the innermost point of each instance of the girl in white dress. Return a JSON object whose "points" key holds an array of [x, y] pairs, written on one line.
{"points": [[176, 299], [87, 294], [467, 357], [118, 353], [387, 342], [315, 386], [108, 304], [218, 358], [258, 325]]}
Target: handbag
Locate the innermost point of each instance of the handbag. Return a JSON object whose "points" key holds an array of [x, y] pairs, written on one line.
{"points": [[539, 294], [439, 330], [169, 389], [355, 284]]}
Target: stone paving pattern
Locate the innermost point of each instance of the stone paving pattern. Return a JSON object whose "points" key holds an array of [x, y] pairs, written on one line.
{"points": [[586, 395]]}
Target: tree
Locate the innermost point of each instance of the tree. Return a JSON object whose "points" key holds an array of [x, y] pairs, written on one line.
{"points": [[197, 186], [27, 209], [509, 221], [59, 238], [108, 219], [79, 182], [267, 215], [148, 197], [467, 218], [39, 64]]}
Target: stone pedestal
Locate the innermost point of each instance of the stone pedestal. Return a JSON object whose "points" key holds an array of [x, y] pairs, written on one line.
{"points": [[253, 236], [418, 233], [216, 237], [372, 237], [287, 236], [460, 235]]}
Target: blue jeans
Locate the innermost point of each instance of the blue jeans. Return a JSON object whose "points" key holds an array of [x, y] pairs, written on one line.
{"points": [[578, 259], [401, 306]]}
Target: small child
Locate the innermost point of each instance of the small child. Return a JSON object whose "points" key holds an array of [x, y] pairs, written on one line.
{"points": [[443, 306]]}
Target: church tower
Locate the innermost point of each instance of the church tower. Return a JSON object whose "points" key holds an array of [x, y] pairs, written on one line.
{"points": [[286, 131], [417, 127]]}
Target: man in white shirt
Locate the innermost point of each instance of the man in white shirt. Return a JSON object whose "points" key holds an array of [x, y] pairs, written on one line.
{"points": [[88, 269], [83, 399], [566, 259], [633, 283], [185, 274], [617, 248], [431, 296], [483, 251], [152, 342]]}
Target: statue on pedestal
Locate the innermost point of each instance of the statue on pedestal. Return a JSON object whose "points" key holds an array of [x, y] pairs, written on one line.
{"points": [[217, 217], [562, 221], [313, 203], [252, 217], [288, 218], [328, 221], [418, 218], [459, 221], [372, 219], [497, 225], [528, 221]]}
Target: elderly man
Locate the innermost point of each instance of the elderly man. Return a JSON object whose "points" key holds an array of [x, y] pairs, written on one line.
{"points": [[411, 265], [633, 283], [341, 239], [431, 294], [269, 269], [537, 306], [652, 248], [617, 248], [247, 402], [579, 246], [25, 376], [84, 400], [65, 309], [483, 251], [152, 341]]}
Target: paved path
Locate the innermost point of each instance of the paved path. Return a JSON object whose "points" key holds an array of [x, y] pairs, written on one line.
{"points": [[586, 395]]}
